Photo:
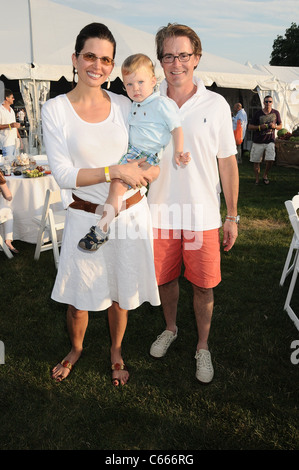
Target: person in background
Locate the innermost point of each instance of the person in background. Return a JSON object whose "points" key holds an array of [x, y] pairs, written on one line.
{"points": [[21, 116], [7, 212], [9, 127], [264, 124], [190, 230], [239, 114], [86, 134]]}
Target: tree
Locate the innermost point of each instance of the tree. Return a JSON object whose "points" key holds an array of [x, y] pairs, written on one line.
{"points": [[286, 49]]}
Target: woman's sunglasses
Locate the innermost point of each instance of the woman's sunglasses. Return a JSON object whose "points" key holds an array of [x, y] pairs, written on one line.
{"points": [[90, 57]]}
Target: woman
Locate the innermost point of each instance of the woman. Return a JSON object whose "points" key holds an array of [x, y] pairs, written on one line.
{"points": [[86, 134], [6, 212]]}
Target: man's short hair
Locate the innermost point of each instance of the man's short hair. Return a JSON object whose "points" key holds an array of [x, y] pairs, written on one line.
{"points": [[176, 30], [8, 92]]}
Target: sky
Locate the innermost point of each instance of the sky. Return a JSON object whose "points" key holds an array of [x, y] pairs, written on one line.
{"points": [[239, 30]]}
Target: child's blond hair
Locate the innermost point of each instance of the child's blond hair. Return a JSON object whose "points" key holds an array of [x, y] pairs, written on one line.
{"points": [[135, 62]]}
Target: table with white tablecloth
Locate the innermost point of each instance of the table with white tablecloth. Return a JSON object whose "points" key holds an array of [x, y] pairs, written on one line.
{"points": [[28, 200]]}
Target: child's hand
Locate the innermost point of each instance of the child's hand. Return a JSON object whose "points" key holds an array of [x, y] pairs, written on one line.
{"points": [[181, 157]]}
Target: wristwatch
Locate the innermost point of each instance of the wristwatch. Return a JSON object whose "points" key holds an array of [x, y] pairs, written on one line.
{"points": [[233, 218]]}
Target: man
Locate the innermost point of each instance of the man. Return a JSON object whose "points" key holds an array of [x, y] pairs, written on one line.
{"points": [[264, 124], [8, 126], [239, 114], [189, 229]]}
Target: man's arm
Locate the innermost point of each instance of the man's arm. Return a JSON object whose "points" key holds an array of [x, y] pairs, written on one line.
{"points": [[152, 171], [229, 175]]}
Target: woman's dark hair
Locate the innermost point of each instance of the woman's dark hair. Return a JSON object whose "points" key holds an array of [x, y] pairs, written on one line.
{"points": [[94, 30]]}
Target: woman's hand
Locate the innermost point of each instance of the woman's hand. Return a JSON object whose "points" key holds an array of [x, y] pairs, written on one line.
{"points": [[136, 173], [151, 171]]}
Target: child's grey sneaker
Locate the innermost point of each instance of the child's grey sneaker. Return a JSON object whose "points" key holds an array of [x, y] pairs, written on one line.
{"points": [[94, 239]]}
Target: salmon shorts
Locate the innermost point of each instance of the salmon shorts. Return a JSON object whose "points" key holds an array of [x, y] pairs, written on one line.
{"points": [[199, 251]]}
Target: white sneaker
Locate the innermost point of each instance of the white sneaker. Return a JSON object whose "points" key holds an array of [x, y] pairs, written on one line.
{"points": [[204, 366], [160, 346]]}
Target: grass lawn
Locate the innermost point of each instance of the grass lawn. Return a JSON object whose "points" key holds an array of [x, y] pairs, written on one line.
{"points": [[252, 402]]}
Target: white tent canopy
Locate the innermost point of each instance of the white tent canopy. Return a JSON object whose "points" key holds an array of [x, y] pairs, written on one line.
{"points": [[44, 35], [36, 48], [229, 74]]}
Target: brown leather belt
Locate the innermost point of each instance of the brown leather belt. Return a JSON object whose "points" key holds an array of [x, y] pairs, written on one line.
{"points": [[93, 208]]}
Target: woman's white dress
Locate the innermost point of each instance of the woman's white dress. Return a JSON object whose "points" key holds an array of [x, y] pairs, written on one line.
{"points": [[121, 270]]}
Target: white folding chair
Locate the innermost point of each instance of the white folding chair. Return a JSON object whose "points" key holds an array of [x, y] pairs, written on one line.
{"points": [[51, 221], [293, 252], [292, 208], [3, 245]]}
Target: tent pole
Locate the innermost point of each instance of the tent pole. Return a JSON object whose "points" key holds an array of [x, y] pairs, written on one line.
{"points": [[31, 33], [33, 132]]}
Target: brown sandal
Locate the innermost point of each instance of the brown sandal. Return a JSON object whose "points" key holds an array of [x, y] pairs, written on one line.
{"points": [[115, 381]]}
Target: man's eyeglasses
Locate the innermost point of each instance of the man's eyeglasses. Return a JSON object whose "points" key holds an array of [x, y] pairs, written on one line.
{"points": [[268, 101], [183, 57], [91, 57]]}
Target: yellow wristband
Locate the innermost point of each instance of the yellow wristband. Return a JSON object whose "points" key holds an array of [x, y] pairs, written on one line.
{"points": [[107, 174], [9, 127]]}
